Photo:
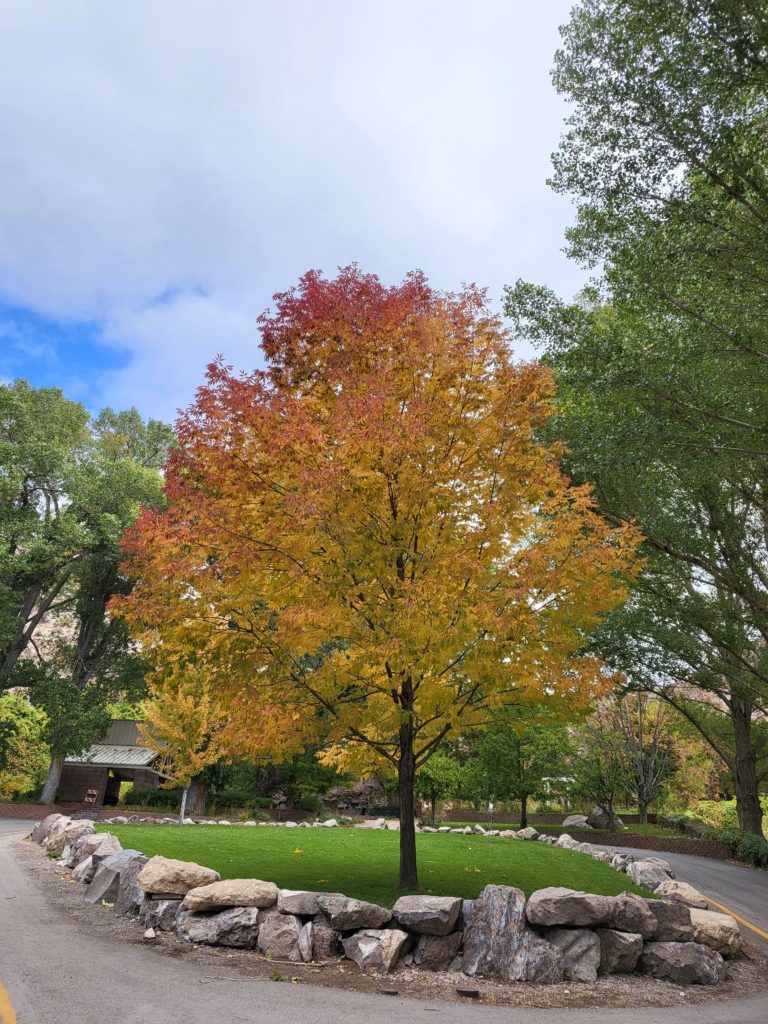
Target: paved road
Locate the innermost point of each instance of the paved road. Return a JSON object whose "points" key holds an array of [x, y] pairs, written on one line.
{"points": [[57, 972], [740, 889]]}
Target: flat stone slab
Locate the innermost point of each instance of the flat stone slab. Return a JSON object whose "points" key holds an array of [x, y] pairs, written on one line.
{"points": [[231, 892], [557, 906], [427, 915]]}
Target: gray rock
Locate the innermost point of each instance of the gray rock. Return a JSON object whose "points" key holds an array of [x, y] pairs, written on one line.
{"points": [[600, 819], [444, 828], [58, 837], [576, 821], [166, 876], [498, 942], [237, 927], [565, 841], [718, 931], [84, 871], [437, 952], [130, 895], [231, 892], [581, 952], [326, 941], [685, 963], [160, 914], [650, 873], [619, 951], [87, 844], [279, 936], [631, 913], [528, 833], [43, 828], [673, 921], [427, 915], [106, 880], [478, 830], [681, 892], [109, 845], [345, 914], [305, 941], [467, 907], [556, 905], [302, 902], [376, 949]]}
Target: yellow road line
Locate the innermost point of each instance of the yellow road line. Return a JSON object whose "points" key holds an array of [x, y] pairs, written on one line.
{"points": [[7, 1016], [752, 927]]}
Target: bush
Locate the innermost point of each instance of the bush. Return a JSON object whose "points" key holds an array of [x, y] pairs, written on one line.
{"points": [[260, 801], [744, 845], [311, 803], [166, 799]]}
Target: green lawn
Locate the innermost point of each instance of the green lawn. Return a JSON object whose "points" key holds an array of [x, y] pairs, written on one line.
{"points": [[362, 863]]}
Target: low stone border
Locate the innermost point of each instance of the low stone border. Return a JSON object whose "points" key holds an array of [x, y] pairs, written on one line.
{"points": [[557, 934]]}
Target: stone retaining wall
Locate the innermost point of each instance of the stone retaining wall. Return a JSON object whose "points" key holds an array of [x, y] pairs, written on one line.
{"points": [[556, 935], [512, 817]]}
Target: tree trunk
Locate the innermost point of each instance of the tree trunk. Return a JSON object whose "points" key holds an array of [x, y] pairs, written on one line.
{"points": [[745, 780], [183, 811], [406, 773], [642, 813], [53, 779], [433, 807], [198, 796], [524, 811]]}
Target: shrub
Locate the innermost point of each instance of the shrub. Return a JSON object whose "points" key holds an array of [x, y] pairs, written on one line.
{"points": [[311, 803], [744, 845], [166, 799], [260, 801]]}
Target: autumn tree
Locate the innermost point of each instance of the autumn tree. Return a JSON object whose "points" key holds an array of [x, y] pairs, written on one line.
{"points": [[368, 537], [182, 720]]}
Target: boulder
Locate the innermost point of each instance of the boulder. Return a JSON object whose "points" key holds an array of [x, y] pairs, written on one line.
{"points": [[167, 876], [478, 830], [436, 952], [105, 884], [43, 828], [58, 838], [576, 821], [600, 819], [130, 896], [619, 951], [84, 871], [159, 914], [279, 936], [581, 952], [306, 941], [681, 892], [375, 949], [673, 921], [650, 872], [232, 892], [507, 833], [685, 963], [631, 913], [498, 942], [237, 927], [344, 913], [566, 842], [302, 902], [556, 905], [326, 941], [90, 842], [528, 833], [718, 931], [330, 823], [427, 915], [108, 845]]}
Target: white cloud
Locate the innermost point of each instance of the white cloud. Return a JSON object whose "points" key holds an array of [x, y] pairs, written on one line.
{"points": [[228, 147]]}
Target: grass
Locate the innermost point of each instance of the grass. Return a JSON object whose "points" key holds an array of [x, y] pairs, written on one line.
{"points": [[628, 830], [363, 863]]}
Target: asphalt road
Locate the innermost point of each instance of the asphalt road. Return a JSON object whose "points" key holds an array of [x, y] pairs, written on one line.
{"points": [[741, 890], [56, 973]]}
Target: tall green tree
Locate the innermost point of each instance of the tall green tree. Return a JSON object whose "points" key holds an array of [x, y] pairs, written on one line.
{"points": [[663, 365], [94, 660]]}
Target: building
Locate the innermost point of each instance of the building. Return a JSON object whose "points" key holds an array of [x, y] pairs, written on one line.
{"points": [[116, 758]]}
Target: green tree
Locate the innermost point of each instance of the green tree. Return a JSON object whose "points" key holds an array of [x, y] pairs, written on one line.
{"points": [[23, 752], [663, 365], [516, 758], [438, 779]]}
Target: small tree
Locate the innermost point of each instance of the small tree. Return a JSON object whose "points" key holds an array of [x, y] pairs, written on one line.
{"points": [[650, 759], [597, 764], [437, 779], [183, 722]]}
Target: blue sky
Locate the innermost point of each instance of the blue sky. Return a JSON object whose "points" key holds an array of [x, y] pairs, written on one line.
{"points": [[165, 168]]}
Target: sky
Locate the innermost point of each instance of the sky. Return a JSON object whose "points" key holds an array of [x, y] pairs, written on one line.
{"points": [[165, 168]]}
